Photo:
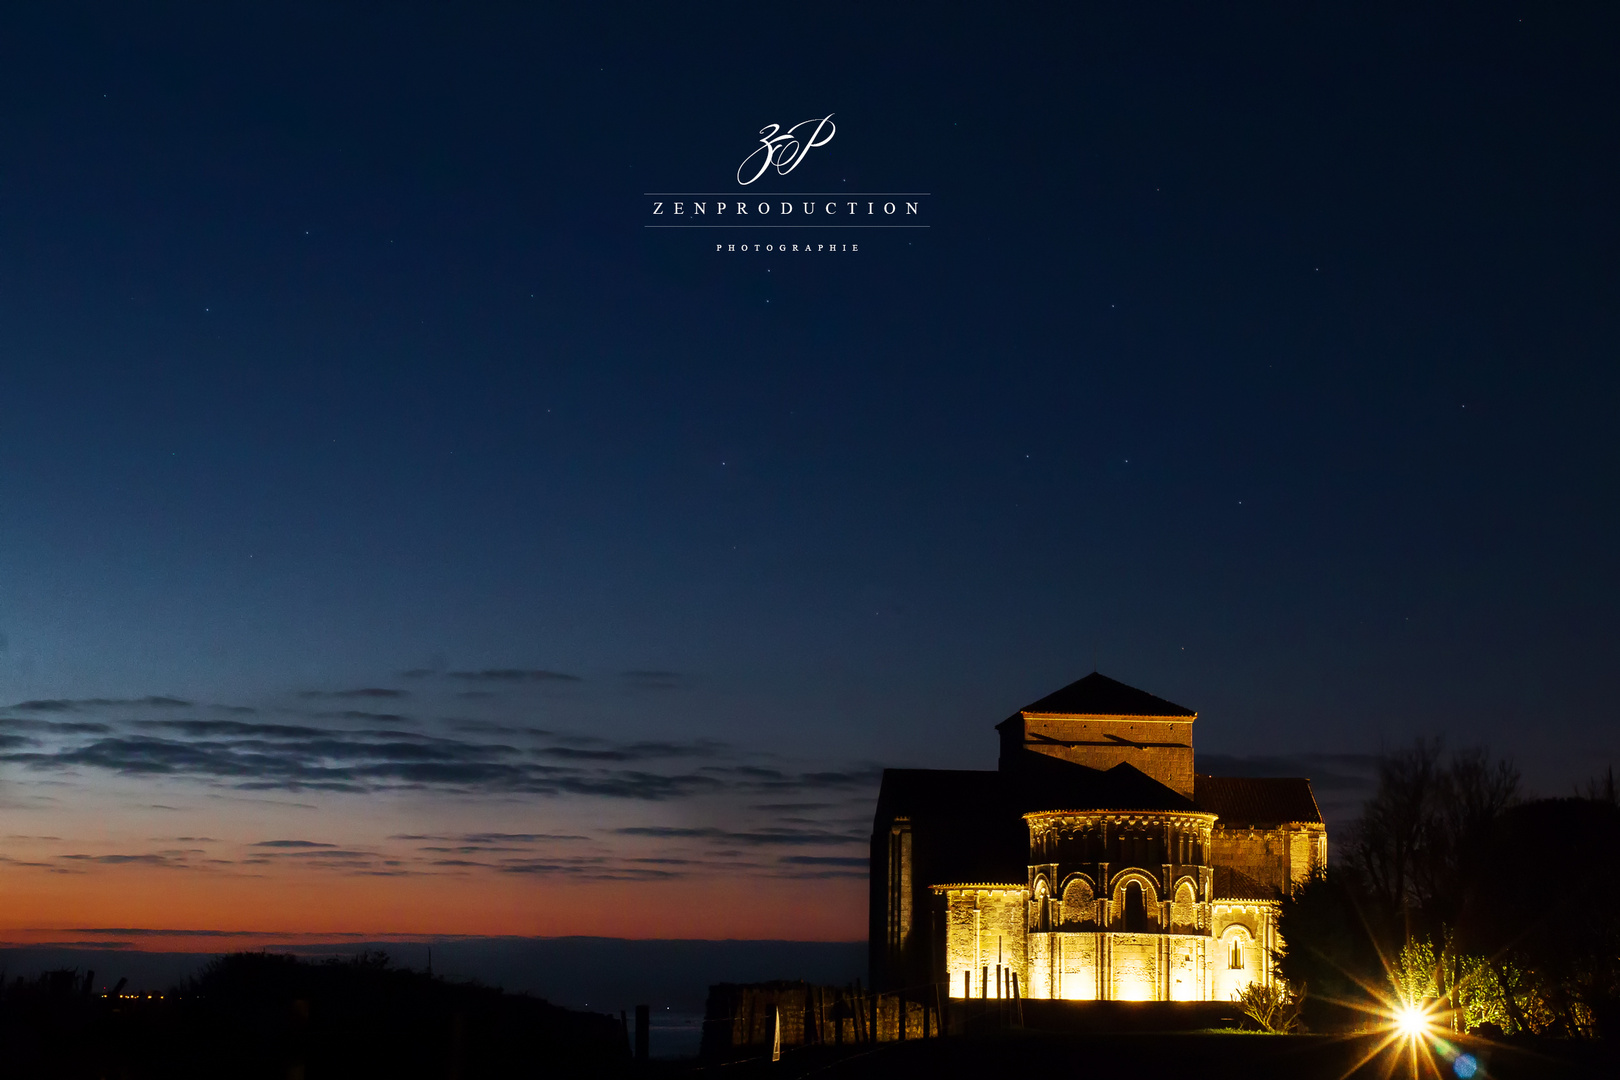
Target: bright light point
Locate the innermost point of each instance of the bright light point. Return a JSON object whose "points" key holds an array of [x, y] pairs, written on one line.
{"points": [[1411, 1021], [1465, 1066]]}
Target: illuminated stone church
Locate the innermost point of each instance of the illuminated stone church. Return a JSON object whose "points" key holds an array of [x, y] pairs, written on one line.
{"points": [[1094, 863]]}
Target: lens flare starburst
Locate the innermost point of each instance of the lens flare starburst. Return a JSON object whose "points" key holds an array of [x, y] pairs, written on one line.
{"points": [[1412, 1021], [1413, 1038]]}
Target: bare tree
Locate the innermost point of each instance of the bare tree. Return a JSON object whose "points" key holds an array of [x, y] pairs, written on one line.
{"points": [[1387, 843]]}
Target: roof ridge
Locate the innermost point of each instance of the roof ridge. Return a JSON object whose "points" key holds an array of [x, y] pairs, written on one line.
{"points": [[1098, 695]]}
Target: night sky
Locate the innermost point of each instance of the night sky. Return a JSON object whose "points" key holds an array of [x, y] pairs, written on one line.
{"points": [[398, 538]]}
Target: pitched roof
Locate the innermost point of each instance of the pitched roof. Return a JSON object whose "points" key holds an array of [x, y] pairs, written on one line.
{"points": [[1233, 884], [969, 824], [1038, 782], [1098, 695], [1257, 800], [1050, 783]]}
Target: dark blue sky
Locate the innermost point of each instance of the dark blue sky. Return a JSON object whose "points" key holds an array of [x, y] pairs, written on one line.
{"points": [[1263, 359]]}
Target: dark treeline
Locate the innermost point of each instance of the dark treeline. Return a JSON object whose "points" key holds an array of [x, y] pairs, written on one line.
{"points": [[1453, 886], [266, 1015]]}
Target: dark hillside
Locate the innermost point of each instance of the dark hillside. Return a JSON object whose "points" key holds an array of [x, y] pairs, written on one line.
{"points": [[265, 1015]]}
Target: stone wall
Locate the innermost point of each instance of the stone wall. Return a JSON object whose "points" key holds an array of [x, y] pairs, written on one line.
{"points": [[1118, 967], [985, 939], [1252, 928], [1160, 748], [1275, 858]]}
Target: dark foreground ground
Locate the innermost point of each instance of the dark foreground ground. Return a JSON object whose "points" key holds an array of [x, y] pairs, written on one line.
{"points": [[255, 1016], [1143, 1056]]}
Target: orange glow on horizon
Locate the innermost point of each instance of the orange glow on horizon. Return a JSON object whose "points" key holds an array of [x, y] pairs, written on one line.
{"points": [[225, 912]]}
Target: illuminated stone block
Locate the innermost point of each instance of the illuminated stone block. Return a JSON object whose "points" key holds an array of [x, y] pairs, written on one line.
{"points": [[985, 938]]}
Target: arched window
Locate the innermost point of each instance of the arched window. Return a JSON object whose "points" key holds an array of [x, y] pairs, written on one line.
{"points": [[1135, 909], [1184, 910], [1077, 902]]}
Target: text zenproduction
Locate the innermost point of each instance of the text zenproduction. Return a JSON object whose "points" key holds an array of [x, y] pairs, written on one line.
{"points": [[740, 209]]}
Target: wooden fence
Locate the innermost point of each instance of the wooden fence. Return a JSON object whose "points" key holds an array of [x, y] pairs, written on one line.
{"points": [[741, 1020]]}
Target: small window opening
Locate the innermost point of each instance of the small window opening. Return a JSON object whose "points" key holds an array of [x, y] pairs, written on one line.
{"points": [[1235, 960], [1135, 910]]}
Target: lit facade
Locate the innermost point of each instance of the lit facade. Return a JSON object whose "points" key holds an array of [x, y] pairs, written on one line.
{"points": [[1093, 864]]}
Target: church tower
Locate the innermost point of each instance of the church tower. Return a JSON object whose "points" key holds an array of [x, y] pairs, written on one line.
{"points": [[1100, 723]]}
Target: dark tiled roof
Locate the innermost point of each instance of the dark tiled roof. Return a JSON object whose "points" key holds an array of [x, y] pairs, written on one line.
{"points": [[1098, 695], [1253, 800], [1233, 884], [969, 825], [1051, 783], [1038, 782]]}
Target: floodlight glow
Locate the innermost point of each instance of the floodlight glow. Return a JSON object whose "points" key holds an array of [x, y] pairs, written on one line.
{"points": [[1412, 1021]]}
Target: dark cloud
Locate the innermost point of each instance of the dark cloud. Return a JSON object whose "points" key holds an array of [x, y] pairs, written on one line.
{"points": [[634, 751], [417, 673], [825, 860], [287, 757], [485, 727], [118, 860], [374, 717], [206, 728], [574, 753], [252, 755], [292, 757], [813, 873], [9, 861], [471, 849], [57, 727], [72, 704], [363, 692], [589, 872], [134, 931], [768, 837], [292, 844], [514, 675]]}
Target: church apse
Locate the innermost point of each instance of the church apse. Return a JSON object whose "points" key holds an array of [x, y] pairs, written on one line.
{"points": [[1085, 867], [1120, 905]]}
